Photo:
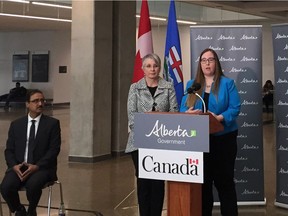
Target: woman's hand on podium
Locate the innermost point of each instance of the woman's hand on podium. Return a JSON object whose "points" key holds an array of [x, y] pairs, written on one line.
{"points": [[219, 118], [192, 111]]}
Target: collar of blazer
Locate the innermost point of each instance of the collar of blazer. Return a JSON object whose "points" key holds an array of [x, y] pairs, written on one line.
{"points": [[162, 84]]}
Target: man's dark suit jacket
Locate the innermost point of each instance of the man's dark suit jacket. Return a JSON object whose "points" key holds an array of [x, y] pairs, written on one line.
{"points": [[46, 146]]}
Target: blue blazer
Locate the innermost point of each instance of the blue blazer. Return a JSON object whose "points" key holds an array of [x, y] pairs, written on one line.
{"points": [[227, 103]]}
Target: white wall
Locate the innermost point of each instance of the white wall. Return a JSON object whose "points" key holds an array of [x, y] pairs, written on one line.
{"points": [[58, 43], [267, 54], [159, 39]]}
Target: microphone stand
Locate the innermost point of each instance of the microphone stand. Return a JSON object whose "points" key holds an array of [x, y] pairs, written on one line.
{"points": [[204, 105]]}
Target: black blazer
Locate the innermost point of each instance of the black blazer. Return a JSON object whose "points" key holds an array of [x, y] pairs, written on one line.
{"points": [[46, 146]]}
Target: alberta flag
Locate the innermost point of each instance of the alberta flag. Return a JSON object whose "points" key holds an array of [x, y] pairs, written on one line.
{"points": [[172, 59]]}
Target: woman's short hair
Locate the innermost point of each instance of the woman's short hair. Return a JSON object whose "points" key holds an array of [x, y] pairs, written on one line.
{"points": [[153, 56]]}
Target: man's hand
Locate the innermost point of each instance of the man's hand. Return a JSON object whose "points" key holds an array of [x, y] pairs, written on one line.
{"points": [[17, 170], [24, 170], [31, 168]]}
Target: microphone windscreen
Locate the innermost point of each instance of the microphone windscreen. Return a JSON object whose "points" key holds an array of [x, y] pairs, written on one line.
{"points": [[196, 86]]}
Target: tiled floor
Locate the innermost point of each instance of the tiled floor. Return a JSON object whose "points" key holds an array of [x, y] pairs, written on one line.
{"points": [[109, 186]]}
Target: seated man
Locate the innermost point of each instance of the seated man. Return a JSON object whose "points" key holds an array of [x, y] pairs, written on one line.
{"points": [[31, 152], [17, 93]]}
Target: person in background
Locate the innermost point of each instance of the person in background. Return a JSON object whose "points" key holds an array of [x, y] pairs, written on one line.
{"points": [[31, 152], [17, 93], [223, 102], [151, 93], [268, 89]]}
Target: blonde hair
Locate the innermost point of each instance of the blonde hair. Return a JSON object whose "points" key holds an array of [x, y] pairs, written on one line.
{"points": [[200, 78], [153, 56]]}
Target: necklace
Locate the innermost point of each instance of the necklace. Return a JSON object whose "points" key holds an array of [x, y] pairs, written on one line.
{"points": [[208, 82]]}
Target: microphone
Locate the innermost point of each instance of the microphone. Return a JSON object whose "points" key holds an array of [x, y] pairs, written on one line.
{"points": [[195, 87], [192, 90]]}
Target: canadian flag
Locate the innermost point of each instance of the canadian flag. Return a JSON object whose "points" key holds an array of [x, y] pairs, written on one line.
{"points": [[144, 41]]}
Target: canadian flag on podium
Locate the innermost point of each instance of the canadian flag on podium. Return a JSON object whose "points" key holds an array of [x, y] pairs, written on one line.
{"points": [[144, 41]]}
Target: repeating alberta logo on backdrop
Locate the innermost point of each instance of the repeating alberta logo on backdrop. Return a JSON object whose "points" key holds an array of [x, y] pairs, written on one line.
{"points": [[281, 36], [242, 92], [249, 147], [246, 102], [239, 48], [224, 37], [280, 58], [216, 48], [237, 70], [201, 37], [282, 80], [248, 37], [245, 80]]}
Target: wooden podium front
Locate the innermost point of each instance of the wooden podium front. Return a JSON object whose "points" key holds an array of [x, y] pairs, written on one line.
{"points": [[185, 199]]}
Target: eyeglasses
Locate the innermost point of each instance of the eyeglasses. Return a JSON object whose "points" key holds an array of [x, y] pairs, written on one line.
{"points": [[210, 60], [151, 66], [36, 101]]}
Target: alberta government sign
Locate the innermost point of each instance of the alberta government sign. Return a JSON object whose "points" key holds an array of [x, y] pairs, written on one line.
{"points": [[171, 146], [177, 131]]}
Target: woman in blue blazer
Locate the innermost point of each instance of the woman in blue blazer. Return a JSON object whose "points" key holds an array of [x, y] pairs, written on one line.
{"points": [[223, 102]]}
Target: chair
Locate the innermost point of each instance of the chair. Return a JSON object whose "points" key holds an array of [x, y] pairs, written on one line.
{"points": [[1, 211], [49, 185]]}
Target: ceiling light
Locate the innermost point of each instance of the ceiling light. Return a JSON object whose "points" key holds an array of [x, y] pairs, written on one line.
{"points": [[186, 22], [157, 18], [52, 5], [35, 17], [154, 18], [19, 1], [164, 19]]}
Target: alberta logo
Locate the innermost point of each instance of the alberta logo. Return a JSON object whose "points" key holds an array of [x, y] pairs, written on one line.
{"points": [[162, 131]]}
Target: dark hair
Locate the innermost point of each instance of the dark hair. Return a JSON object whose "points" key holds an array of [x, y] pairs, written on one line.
{"points": [[268, 86], [200, 78], [268, 81], [32, 92], [218, 70]]}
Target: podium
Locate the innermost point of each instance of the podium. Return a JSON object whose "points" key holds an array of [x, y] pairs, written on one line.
{"points": [[162, 135], [185, 199]]}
